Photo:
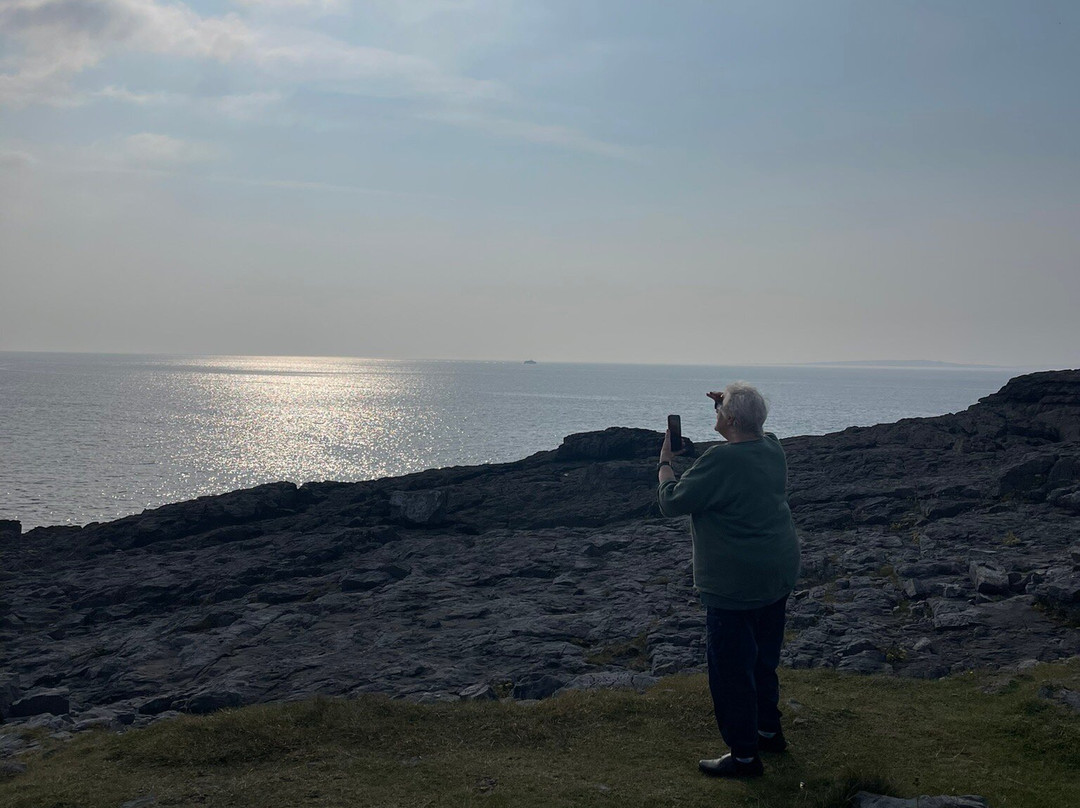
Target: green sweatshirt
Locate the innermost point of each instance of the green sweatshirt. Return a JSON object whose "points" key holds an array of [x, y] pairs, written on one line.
{"points": [[746, 554]]}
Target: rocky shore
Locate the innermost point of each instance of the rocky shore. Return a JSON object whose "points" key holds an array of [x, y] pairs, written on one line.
{"points": [[930, 546]]}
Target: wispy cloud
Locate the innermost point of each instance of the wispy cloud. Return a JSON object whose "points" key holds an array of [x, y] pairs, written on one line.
{"points": [[14, 158], [316, 6], [332, 187], [52, 42], [58, 39], [126, 96], [235, 106], [420, 11], [244, 106], [549, 134], [152, 149]]}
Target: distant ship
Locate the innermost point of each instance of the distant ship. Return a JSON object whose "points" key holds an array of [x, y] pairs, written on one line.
{"points": [[530, 361]]}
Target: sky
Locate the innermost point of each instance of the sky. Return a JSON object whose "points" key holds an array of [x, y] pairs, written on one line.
{"points": [[689, 182]]}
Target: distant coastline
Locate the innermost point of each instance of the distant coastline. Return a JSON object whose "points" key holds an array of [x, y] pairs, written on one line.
{"points": [[919, 364]]}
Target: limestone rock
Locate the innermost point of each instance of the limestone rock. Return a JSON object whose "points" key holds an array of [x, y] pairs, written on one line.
{"points": [[418, 507], [1026, 476], [212, 700], [9, 692], [614, 443], [479, 692], [1062, 695], [11, 768], [553, 572], [53, 701], [536, 686], [140, 802], [1067, 498], [864, 799], [611, 680], [988, 580]]}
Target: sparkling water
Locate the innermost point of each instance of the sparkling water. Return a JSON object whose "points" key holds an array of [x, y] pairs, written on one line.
{"points": [[87, 437]]}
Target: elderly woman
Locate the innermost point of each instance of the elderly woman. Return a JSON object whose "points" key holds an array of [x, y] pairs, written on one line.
{"points": [[746, 561]]}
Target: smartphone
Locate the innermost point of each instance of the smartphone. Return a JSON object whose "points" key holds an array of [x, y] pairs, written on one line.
{"points": [[674, 425]]}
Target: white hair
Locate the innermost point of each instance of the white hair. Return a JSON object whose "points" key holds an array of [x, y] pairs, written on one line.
{"points": [[746, 407]]}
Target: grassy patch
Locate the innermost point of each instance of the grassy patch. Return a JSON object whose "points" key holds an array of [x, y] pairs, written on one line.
{"points": [[630, 654], [584, 749]]}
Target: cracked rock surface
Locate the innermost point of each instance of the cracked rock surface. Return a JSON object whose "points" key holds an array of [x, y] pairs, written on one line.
{"points": [[929, 546]]}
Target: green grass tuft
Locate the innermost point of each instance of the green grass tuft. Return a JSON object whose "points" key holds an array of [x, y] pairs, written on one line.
{"points": [[839, 793]]}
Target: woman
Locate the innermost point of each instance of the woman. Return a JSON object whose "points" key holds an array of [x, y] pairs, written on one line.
{"points": [[746, 562]]}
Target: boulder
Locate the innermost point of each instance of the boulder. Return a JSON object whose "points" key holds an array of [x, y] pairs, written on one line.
{"points": [[611, 680], [1067, 498], [870, 661], [157, 705], [1064, 472], [37, 702], [1027, 476], [11, 768], [9, 691], [418, 507], [987, 579], [1062, 695], [951, 615], [145, 801], [479, 692], [212, 700], [614, 443], [1059, 587], [918, 588], [536, 686]]}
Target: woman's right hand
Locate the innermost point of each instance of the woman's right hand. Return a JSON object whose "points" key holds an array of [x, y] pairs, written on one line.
{"points": [[665, 451]]}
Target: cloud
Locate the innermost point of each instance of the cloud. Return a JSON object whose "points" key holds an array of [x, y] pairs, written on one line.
{"points": [[244, 106], [124, 95], [58, 39], [12, 158], [235, 106], [150, 149], [316, 6], [550, 134], [301, 185], [51, 42], [421, 11]]}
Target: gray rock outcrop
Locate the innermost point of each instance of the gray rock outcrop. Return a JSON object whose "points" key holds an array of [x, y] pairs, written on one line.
{"points": [[930, 546], [865, 799]]}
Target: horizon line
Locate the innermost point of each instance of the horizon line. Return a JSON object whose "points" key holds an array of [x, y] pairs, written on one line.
{"points": [[925, 364]]}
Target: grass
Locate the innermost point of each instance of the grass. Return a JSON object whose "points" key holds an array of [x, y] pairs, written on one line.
{"points": [[630, 653], [611, 748]]}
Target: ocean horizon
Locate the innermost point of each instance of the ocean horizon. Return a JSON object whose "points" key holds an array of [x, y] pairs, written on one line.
{"points": [[91, 437]]}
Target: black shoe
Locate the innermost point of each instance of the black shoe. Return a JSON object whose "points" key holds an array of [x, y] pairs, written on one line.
{"points": [[774, 744], [728, 766]]}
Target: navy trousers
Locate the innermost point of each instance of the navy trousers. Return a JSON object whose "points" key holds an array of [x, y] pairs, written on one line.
{"points": [[743, 649]]}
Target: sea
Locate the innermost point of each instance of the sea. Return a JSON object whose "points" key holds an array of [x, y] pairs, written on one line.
{"points": [[93, 437]]}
